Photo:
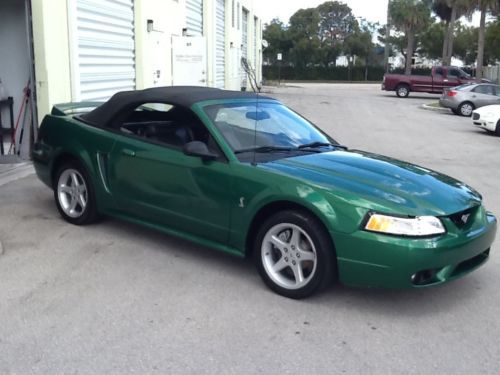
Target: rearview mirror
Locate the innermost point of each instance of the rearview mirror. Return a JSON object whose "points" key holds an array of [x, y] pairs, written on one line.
{"points": [[200, 149], [257, 115]]}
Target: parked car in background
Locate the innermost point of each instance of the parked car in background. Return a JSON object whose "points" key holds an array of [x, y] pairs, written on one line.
{"points": [[462, 100], [441, 77], [487, 118]]}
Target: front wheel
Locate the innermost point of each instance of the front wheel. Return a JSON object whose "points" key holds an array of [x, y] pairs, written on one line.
{"points": [[294, 254], [74, 196], [403, 91]]}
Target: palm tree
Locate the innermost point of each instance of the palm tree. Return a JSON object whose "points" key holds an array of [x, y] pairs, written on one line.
{"points": [[484, 6], [410, 16], [450, 11]]}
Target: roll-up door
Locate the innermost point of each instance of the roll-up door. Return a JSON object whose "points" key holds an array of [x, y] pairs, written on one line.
{"points": [[255, 26], [220, 43], [194, 17], [104, 48], [244, 45]]}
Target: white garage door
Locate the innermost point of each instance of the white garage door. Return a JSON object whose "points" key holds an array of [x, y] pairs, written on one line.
{"points": [[104, 51], [244, 45], [194, 17], [220, 43]]}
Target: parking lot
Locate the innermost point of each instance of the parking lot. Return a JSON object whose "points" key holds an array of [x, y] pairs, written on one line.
{"points": [[115, 298]]}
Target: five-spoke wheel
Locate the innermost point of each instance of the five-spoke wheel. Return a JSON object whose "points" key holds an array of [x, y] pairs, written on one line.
{"points": [[74, 195], [294, 255]]}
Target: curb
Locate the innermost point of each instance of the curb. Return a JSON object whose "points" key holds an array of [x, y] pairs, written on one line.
{"points": [[435, 109]]}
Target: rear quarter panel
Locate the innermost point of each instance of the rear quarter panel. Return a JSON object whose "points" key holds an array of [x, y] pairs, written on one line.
{"points": [[64, 137]]}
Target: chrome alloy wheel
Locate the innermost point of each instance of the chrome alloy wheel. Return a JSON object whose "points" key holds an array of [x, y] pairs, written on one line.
{"points": [[72, 193], [288, 256]]}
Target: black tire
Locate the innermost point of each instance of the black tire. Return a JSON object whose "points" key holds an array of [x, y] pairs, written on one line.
{"points": [[465, 109], [66, 191], [455, 112], [314, 254], [402, 90]]}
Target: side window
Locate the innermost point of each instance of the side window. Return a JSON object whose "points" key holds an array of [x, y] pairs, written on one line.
{"points": [[453, 73], [438, 72], [497, 90], [166, 124], [484, 89]]}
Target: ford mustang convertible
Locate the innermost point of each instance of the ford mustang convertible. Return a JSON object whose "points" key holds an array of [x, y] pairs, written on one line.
{"points": [[244, 174]]}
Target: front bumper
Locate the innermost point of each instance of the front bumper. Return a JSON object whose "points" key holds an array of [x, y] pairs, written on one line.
{"points": [[376, 260], [487, 124]]}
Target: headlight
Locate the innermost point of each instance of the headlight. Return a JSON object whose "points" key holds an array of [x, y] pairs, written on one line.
{"points": [[403, 226]]}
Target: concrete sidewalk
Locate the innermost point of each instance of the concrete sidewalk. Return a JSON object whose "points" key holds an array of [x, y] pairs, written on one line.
{"points": [[13, 168]]}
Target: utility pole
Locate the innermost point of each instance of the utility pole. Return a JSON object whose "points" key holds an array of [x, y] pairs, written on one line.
{"points": [[387, 36]]}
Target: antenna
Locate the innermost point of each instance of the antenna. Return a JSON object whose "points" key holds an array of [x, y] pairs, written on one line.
{"points": [[254, 163]]}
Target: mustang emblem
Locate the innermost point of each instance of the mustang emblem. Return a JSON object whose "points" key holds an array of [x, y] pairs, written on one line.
{"points": [[242, 202], [464, 218]]}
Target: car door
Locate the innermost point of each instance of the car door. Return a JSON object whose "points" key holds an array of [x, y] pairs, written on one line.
{"points": [[497, 94], [437, 80], [157, 183], [452, 78], [484, 95]]}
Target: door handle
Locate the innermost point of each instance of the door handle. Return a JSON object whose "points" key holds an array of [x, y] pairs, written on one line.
{"points": [[128, 152]]}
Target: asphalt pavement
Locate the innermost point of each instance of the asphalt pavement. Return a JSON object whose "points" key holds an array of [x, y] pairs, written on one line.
{"points": [[116, 298]]}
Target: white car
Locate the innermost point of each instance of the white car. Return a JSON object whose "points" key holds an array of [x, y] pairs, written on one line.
{"points": [[488, 118]]}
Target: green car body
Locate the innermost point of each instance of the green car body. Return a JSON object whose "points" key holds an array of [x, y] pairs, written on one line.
{"points": [[222, 203]]}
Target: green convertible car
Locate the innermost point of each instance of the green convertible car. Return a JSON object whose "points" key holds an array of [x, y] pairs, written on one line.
{"points": [[244, 174]]}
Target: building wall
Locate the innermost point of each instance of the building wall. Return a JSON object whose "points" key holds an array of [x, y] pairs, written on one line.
{"points": [[52, 38], [51, 53], [14, 56]]}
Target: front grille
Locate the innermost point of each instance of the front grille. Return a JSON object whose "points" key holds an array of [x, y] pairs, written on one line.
{"points": [[463, 218], [475, 116]]}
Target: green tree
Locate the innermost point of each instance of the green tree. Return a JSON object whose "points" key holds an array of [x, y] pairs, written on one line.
{"points": [[304, 35], [275, 33], [465, 46], [485, 7], [358, 44], [337, 22], [410, 17], [431, 41], [492, 42], [449, 11]]}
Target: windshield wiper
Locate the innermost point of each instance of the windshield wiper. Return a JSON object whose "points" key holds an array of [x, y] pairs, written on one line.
{"points": [[264, 149], [320, 144]]}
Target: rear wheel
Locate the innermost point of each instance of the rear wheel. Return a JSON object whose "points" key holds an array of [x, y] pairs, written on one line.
{"points": [[74, 196], [497, 129], [465, 109], [403, 90], [294, 254]]}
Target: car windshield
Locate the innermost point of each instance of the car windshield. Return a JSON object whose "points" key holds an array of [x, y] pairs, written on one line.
{"points": [[266, 127], [464, 74]]}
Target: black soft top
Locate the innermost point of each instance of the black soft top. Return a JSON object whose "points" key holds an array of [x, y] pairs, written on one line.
{"points": [[182, 96]]}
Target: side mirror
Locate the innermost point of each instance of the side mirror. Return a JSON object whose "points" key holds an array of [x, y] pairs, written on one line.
{"points": [[200, 149]]}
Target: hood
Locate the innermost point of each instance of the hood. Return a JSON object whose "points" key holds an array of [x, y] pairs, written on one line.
{"points": [[495, 109], [380, 183]]}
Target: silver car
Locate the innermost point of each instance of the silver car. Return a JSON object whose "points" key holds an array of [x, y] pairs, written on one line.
{"points": [[462, 100]]}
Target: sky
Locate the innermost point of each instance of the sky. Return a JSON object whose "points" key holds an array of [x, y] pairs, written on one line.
{"points": [[372, 10]]}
